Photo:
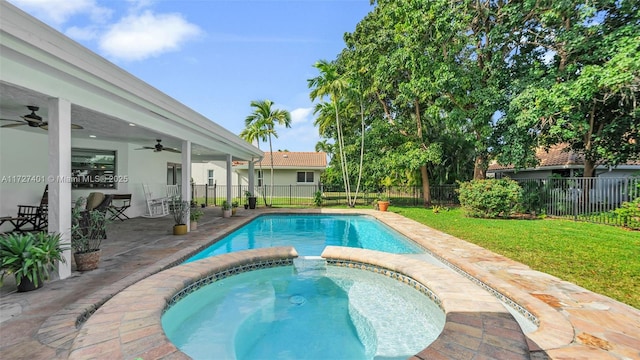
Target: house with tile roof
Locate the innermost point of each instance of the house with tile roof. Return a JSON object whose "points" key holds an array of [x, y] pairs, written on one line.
{"points": [[290, 168], [558, 160]]}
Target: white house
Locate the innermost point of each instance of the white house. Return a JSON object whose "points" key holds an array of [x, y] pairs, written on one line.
{"points": [[79, 123], [290, 168]]}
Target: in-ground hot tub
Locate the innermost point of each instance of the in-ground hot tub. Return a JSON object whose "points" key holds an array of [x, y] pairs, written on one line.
{"points": [[308, 310]]}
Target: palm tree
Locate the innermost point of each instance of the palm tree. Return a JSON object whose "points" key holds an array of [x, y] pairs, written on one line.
{"points": [[330, 83], [266, 119], [256, 132], [325, 146]]}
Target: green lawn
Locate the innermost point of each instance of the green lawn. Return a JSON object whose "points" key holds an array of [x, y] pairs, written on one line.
{"points": [[601, 258]]}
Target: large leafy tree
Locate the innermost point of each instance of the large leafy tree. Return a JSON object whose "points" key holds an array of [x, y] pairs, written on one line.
{"points": [[585, 83], [264, 119], [396, 52]]}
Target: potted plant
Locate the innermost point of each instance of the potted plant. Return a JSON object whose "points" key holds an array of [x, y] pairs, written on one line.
{"points": [[194, 216], [179, 210], [226, 209], [88, 229], [234, 208], [29, 257], [250, 199], [383, 202]]}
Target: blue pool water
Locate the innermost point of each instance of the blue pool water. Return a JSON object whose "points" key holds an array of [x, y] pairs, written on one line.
{"points": [[309, 234], [288, 313]]}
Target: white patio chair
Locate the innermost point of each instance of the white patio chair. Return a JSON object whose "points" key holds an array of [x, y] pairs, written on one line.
{"points": [[173, 191], [156, 206]]}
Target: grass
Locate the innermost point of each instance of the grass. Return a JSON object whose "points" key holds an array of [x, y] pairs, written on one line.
{"points": [[601, 258]]}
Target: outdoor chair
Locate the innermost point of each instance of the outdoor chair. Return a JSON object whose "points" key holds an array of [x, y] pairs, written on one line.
{"points": [[156, 206], [173, 192], [35, 216], [117, 209]]}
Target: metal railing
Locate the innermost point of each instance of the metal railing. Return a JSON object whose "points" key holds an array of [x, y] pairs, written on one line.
{"points": [[303, 195], [591, 199], [580, 199]]}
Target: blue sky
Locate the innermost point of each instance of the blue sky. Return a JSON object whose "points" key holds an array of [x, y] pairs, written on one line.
{"points": [[216, 56]]}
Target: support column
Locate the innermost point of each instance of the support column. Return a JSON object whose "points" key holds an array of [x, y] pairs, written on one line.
{"points": [[186, 177], [252, 177], [59, 179], [229, 182]]}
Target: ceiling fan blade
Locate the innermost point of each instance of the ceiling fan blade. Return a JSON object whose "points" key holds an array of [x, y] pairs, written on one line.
{"points": [[45, 126], [146, 148], [31, 119], [11, 120], [13, 125], [171, 150]]}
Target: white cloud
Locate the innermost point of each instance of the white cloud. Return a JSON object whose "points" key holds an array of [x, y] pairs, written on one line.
{"points": [[298, 138], [57, 12], [137, 37], [82, 34], [300, 115]]}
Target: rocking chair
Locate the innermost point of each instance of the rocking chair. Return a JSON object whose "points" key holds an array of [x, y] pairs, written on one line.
{"points": [[35, 215]]}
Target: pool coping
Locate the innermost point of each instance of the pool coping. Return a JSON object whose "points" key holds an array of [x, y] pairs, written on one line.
{"points": [[129, 326]]}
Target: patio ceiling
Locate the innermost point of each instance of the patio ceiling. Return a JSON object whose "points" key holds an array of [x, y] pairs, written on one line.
{"points": [[38, 63], [14, 101]]}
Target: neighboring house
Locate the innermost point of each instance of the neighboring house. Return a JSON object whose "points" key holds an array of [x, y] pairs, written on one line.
{"points": [[210, 173], [559, 162], [289, 168]]}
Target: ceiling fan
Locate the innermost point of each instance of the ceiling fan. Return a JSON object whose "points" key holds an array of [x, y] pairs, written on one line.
{"points": [[159, 147], [34, 120]]}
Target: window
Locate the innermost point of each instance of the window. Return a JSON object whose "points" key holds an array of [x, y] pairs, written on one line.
{"points": [[174, 174], [259, 178], [305, 177], [93, 169], [211, 180]]}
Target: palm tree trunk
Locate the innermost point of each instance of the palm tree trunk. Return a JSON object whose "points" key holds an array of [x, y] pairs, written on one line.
{"points": [[271, 183], [343, 161], [361, 151]]}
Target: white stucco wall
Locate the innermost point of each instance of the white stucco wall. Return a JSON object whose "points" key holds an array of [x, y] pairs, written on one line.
{"points": [[280, 176], [24, 166], [199, 173]]}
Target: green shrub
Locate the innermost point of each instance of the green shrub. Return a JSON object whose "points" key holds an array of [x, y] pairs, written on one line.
{"points": [[629, 213], [490, 198], [534, 199], [317, 198]]}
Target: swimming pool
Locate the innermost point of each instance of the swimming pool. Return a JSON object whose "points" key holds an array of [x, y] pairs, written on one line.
{"points": [[310, 312], [310, 234]]}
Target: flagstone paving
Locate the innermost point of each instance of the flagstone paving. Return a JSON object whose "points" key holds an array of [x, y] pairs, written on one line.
{"points": [[43, 324]]}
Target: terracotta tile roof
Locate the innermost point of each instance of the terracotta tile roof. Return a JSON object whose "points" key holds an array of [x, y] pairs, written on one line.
{"points": [[291, 159], [556, 156]]}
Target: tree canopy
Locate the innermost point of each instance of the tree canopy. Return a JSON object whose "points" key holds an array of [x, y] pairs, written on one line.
{"points": [[445, 87]]}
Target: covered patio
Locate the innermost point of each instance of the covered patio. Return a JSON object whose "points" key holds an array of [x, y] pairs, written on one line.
{"points": [[86, 103]]}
